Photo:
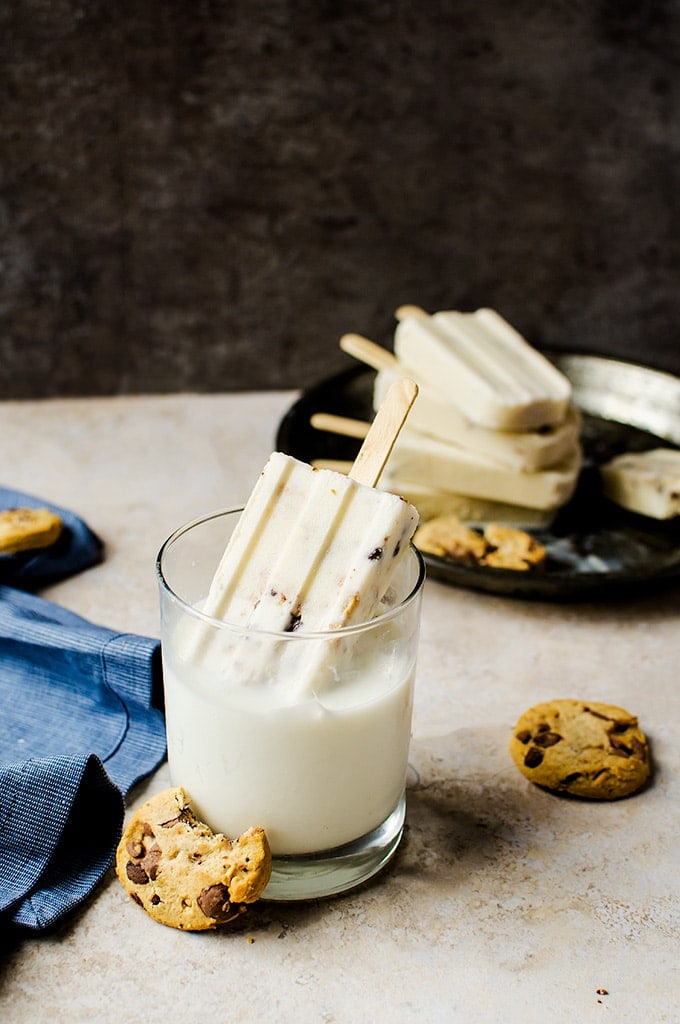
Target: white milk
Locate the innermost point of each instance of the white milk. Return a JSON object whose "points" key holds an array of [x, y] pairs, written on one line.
{"points": [[317, 772]]}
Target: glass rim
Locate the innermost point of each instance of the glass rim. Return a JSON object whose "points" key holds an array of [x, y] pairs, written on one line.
{"points": [[233, 627]]}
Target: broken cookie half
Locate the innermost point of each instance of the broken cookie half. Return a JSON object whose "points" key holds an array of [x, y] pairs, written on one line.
{"points": [[182, 873]]}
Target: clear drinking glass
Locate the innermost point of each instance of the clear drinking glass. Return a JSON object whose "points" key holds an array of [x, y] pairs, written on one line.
{"points": [[306, 734]]}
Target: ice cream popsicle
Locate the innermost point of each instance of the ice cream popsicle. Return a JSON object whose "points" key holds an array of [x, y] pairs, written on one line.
{"points": [[434, 414], [526, 451], [433, 463], [645, 482], [422, 463], [314, 549], [483, 366], [433, 502]]}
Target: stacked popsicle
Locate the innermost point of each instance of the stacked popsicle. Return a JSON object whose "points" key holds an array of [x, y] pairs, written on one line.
{"points": [[492, 434]]}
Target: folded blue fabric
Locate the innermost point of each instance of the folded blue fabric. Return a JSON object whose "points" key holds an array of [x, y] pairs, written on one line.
{"points": [[80, 724]]}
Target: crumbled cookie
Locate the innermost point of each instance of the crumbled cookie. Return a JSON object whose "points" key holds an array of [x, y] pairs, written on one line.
{"points": [[22, 529], [500, 547], [510, 548], [447, 537], [590, 750], [183, 874]]}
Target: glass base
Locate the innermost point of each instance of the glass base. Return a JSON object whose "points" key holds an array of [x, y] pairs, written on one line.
{"points": [[335, 871]]}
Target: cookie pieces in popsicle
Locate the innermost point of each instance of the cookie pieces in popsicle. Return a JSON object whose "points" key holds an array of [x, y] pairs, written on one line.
{"points": [[591, 750], [183, 874]]}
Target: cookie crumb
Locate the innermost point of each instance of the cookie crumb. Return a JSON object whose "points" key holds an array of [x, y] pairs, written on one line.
{"points": [[499, 547]]}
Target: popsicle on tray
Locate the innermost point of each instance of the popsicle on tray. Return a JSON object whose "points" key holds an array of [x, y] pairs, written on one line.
{"points": [[423, 464], [483, 366], [645, 482], [526, 451], [434, 502], [434, 414]]}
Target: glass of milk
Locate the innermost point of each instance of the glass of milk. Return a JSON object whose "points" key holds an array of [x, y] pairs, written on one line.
{"points": [[306, 734]]}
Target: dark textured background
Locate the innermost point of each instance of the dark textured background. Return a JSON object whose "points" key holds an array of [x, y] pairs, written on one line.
{"points": [[204, 195]]}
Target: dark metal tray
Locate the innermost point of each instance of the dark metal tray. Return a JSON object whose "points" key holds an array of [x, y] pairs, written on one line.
{"points": [[594, 547]]}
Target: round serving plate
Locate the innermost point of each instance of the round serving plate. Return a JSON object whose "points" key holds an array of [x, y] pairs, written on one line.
{"points": [[594, 547]]}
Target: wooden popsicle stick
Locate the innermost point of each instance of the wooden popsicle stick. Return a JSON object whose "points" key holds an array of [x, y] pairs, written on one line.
{"points": [[339, 425], [384, 431], [366, 351], [408, 310]]}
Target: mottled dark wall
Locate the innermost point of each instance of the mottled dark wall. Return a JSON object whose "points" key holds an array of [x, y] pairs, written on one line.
{"points": [[204, 195]]}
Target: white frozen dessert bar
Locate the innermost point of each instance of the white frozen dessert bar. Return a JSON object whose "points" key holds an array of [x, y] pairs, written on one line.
{"points": [[484, 367], [433, 502], [646, 482], [525, 450], [313, 550], [433, 463]]}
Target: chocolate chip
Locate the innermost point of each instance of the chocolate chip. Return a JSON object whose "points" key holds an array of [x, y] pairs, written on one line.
{"points": [[136, 873], [294, 622], [375, 555], [547, 739], [569, 779], [625, 724], [542, 727], [523, 736], [620, 724], [147, 830], [215, 903], [533, 757], [184, 815], [155, 899], [151, 861], [639, 748], [619, 748], [135, 849]]}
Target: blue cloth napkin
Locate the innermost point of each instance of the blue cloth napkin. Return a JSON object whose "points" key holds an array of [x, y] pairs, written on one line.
{"points": [[80, 724]]}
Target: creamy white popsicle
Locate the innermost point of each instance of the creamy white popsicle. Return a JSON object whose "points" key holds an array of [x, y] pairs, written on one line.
{"points": [[432, 463], [433, 502], [645, 482], [313, 550], [484, 367], [527, 450]]}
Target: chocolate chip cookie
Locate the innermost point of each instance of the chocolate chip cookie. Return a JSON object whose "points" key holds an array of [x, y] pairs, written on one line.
{"points": [[22, 529], [183, 874], [591, 750]]}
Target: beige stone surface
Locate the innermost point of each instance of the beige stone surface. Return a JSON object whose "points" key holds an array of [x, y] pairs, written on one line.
{"points": [[504, 903]]}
